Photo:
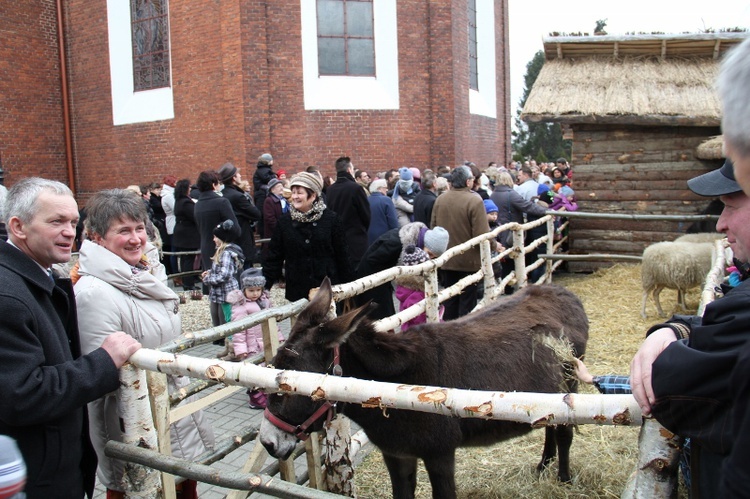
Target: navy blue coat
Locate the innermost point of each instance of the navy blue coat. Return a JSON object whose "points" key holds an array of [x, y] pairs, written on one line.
{"points": [[382, 216], [45, 383]]}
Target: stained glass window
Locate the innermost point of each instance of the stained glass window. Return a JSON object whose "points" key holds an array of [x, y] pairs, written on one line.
{"points": [[473, 59], [150, 30]]}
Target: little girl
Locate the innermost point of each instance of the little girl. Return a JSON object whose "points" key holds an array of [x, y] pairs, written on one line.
{"points": [[252, 299], [221, 277], [410, 288]]}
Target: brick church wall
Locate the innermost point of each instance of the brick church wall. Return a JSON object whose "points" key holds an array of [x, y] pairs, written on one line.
{"points": [[238, 93], [32, 140]]}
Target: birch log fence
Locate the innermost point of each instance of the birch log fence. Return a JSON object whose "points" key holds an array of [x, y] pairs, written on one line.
{"points": [[146, 431]]}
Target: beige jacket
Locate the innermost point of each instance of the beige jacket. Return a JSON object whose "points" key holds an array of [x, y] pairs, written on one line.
{"points": [[109, 298]]}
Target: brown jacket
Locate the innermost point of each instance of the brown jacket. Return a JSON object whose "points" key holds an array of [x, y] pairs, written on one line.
{"points": [[461, 212]]}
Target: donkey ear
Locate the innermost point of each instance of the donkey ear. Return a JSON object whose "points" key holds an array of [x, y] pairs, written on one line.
{"points": [[336, 331], [319, 307]]}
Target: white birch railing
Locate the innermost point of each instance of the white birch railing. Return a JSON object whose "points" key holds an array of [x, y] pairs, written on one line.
{"points": [[535, 409]]}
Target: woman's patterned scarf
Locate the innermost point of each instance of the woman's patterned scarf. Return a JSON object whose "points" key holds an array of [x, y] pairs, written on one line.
{"points": [[312, 215]]}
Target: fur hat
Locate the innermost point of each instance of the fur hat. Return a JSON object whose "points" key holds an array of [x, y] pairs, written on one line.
{"points": [[253, 278], [309, 180], [224, 231], [405, 174], [490, 206], [436, 240], [413, 256], [226, 172], [264, 159]]}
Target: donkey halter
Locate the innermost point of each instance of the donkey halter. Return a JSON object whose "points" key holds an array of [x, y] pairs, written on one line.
{"points": [[302, 431]]}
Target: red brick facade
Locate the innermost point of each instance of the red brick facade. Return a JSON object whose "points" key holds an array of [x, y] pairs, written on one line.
{"points": [[238, 92], [32, 140]]}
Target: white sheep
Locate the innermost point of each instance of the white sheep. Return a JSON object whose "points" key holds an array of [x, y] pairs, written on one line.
{"points": [[679, 265], [700, 237]]}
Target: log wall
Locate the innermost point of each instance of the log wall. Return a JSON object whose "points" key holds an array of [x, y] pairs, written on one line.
{"points": [[642, 170]]}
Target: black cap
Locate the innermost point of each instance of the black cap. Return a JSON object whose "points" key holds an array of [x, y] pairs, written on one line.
{"points": [[716, 183]]}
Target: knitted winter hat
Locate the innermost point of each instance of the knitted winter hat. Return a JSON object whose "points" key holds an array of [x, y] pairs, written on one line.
{"points": [[436, 240], [413, 256], [253, 278], [309, 180], [405, 174], [415, 173], [490, 206], [12, 468], [224, 231], [264, 159], [566, 191]]}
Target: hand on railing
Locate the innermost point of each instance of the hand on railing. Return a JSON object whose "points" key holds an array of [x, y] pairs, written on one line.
{"points": [[120, 346]]}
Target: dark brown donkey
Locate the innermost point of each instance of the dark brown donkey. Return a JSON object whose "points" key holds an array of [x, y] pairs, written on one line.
{"points": [[501, 348]]}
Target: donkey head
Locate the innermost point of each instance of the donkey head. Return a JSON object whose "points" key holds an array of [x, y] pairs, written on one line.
{"points": [[312, 346]]}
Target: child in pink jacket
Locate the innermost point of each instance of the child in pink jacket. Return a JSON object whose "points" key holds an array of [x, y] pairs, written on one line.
{"points": [[252, 299], [410, 288]]}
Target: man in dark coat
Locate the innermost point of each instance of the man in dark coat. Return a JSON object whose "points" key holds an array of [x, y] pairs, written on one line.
{"points": [[211, 210], [683, 372], [45, 383], [246, 212], [349, 201], [425, 200]]}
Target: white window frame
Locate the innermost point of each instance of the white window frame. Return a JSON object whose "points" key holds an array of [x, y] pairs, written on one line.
{"points": [[352, 92], [129, 106], [484, 101]]}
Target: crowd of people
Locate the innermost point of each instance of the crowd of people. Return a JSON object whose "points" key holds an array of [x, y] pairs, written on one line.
{"points": [[64, 337]]}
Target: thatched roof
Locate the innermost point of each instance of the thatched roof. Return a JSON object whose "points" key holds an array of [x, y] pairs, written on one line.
{"points": [[639, 80], [712, 148]]}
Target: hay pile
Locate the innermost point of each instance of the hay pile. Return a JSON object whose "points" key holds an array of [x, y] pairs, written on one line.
{"points": [[602, 457]]}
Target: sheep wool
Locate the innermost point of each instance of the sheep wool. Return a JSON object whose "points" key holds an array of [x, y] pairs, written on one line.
{"points": [[675, 265]]}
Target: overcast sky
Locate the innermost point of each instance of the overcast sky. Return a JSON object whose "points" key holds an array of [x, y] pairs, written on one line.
{"points": [[531, 20]]}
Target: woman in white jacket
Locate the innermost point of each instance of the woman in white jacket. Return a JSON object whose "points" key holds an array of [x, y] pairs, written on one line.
{"points": [[121, 286]]}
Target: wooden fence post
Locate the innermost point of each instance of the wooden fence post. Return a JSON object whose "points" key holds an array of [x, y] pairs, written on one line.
{"points": [[138, 424], [431, 290], [520, 259]]}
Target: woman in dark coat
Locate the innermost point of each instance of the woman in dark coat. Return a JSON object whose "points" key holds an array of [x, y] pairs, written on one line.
{"points": [[211, 210], [244, 209], [309, 242], [186, 236]]}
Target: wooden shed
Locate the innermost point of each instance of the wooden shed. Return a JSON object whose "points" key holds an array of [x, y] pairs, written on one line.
{"points": [[644, 117]]}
